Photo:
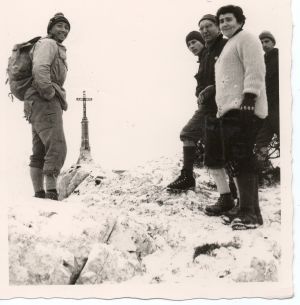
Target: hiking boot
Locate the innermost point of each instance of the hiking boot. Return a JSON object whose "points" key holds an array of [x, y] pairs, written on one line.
{"points": [[51, 194], [40, 194], [249, 216], [228, 216], [245, 222], [224, 204], [184, 182]]}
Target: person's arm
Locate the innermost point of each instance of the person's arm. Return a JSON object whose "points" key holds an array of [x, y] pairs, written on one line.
{"points": [[43, 56], [251, 56]]}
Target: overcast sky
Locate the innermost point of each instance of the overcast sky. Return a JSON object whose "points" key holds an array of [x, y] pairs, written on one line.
{"points": [[131, 58]]}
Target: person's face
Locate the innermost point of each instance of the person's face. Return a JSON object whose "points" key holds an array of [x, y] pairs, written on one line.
{"points": [[60, 31], [208, 30], [267, 44], [228, 24], [195, 46]]}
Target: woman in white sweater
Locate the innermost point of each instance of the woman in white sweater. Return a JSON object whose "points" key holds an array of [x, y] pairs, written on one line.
{"points": [[242, 106]]}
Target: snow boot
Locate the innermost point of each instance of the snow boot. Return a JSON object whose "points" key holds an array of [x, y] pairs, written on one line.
{"points": [[228, 216], [40, 194], [249, 206], [51, 194], [224, 204], [184, 182]]}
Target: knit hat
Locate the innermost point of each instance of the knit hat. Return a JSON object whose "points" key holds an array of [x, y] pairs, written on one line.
{"points": [[267, 34], [194, 35], [209, 17], [58, 17]]}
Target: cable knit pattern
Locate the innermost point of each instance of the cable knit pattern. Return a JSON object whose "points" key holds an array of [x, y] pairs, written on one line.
{"points": [[241, 69]]}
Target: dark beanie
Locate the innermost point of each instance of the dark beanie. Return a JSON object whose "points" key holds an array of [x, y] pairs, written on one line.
{"points": [[209, 17], [267, 34], [194, 35], [58, 17]]}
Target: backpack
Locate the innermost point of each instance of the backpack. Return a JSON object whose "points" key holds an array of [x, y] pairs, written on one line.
{"points": [[19, 69]]}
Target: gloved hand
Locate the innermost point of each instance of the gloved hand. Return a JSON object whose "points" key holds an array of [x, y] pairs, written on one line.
{"points": [[247, 107], [27, 110], [247, 114], [248, 102], [205, 94]]}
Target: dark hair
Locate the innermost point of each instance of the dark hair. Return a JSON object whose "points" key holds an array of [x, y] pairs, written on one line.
{"points": [[235, 10]]}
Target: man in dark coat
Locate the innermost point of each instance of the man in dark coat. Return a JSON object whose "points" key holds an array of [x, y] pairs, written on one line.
{"points": [[271, 123], [196, 128]]}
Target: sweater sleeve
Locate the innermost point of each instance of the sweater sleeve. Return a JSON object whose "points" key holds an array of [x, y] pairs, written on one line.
{"points": [[43, 57], [251, 55]]}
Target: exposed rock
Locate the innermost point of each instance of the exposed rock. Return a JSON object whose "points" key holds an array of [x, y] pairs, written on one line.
{"points": [[259, 271], [105, 263]]}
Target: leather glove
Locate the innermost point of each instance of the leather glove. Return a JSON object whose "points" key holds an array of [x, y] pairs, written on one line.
{"points": [[27, 110], [205, 94]]}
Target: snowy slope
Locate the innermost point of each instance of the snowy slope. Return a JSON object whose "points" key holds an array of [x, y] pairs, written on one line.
{"points": [[122, 226]]}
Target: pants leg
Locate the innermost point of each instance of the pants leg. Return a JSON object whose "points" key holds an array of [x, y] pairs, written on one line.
{"points": [[37, 158], [47, 123], [194, 129]]}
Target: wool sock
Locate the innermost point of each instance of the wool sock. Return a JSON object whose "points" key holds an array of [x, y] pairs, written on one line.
{"points": [[189, 155], [37, 178], [219, 176], [50, 181]]}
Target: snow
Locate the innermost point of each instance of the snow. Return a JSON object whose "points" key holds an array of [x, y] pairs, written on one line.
{"points": [[130, 229]]}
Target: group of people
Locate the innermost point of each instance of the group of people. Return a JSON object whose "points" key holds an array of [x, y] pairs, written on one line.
{"points": [[238, 113], [236, 85]]}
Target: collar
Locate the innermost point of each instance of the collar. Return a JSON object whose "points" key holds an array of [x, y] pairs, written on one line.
{"points": [[212, 44], [50, 37], [270, 53], [200, 55], [236, 32]]}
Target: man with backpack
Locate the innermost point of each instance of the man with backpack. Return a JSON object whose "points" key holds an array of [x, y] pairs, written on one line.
{"points": [[44, 103]]}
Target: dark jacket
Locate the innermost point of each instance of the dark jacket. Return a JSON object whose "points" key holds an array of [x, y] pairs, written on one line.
{"points": [[206, 73], [272, 81]]}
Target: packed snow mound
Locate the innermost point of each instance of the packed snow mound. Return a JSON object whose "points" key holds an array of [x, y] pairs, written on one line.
{"points": [[123, 226]]}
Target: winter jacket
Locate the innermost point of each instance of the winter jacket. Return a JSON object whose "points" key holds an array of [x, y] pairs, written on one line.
{"points": [[241, 69], [206, 73], [272, 81], [49, 70]]}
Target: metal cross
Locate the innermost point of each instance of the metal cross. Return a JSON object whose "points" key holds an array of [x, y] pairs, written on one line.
{"points": [[84, 99]]}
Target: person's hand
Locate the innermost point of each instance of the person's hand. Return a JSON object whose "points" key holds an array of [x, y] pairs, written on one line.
{"points": [[27, 110], [205, 94], [247, 107], [248, 102]]}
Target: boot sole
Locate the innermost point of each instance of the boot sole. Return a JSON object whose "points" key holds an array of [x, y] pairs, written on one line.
{"points": [[237, 224], [243, 227], [178, 191]]}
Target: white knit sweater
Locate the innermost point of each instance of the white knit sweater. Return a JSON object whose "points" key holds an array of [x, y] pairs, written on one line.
{"points": [[241, 69]]}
